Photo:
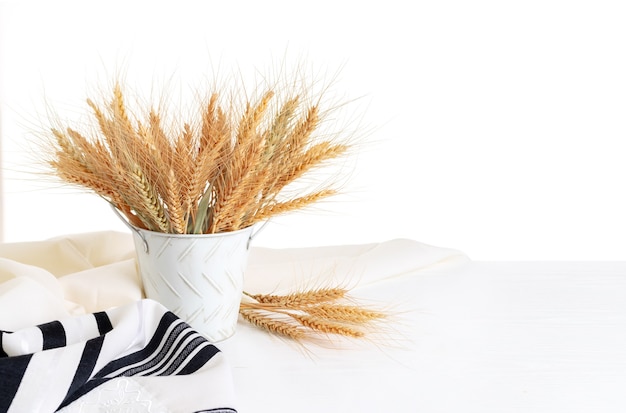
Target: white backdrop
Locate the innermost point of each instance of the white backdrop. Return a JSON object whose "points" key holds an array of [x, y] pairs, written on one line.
{"points": [[496, 126]]}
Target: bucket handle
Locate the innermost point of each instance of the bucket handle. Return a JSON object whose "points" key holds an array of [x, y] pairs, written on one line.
{"points": [[145, 243], [131, 227], [253, 234]]}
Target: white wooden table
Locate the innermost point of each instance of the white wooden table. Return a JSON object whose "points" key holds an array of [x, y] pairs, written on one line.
{"points": [[475, 337]]}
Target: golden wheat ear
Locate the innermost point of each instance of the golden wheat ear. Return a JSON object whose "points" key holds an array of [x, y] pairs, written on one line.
{"points": [[267, 322], [301, 298]]}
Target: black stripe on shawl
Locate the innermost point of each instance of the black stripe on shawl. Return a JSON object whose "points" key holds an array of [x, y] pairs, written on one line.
{"points": [[2, 352], [12, 370], [53, 335], [204, 355], [174, 363], [153, 345], [103, 321], [165, 356], [85, 368]]}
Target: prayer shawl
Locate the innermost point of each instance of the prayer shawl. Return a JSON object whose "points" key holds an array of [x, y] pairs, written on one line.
{"points": [[134, 358]]}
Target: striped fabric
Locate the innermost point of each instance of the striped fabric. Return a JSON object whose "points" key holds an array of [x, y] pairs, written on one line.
{"points": [[136, 358]]}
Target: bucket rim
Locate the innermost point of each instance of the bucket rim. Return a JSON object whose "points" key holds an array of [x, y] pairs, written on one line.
{"points": [[142, 233], [209, 235]]}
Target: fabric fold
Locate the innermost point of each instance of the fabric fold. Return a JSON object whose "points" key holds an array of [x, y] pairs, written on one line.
{"points": [[281, 270], [66, 276]]}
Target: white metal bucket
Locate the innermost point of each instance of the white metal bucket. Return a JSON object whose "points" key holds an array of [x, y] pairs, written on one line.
{"points": [[199, 277]]}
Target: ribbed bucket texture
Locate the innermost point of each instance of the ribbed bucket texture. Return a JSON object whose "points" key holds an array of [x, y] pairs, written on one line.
{"points": [[198, 277]]}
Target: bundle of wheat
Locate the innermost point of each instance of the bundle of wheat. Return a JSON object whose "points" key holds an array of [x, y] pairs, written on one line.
{"points": [[224, 170]]}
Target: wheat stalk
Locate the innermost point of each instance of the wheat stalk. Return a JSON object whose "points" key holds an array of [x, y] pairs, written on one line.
{"points": [[278, 208], [274, 135], [346, 313], [175, 208], [270, 324], [148, 202], [325, 326], [301, 298]]}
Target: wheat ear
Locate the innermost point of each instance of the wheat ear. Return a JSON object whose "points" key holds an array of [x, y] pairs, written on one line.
{"points": [[149, 202], [288, 206], [326, 326], [270, 323], [302, 297], [344, 313]]}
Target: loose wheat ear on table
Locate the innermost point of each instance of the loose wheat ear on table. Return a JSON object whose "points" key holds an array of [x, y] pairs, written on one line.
{"points": [[308, 313]]}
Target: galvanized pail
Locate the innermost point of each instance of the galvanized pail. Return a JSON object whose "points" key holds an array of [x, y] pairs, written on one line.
{"points": [[199, 277]]}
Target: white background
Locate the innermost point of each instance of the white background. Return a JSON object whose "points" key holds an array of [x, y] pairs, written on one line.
{"points": [[494, 127]]}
